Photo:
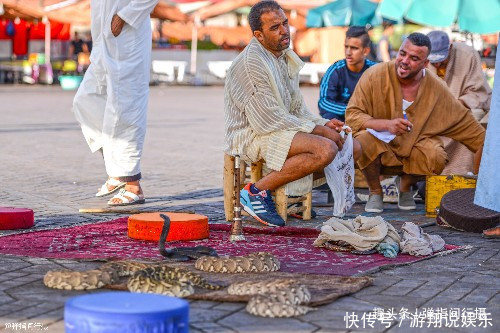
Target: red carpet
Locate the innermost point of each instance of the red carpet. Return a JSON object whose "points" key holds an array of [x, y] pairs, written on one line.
{"points": [[293, 246]]}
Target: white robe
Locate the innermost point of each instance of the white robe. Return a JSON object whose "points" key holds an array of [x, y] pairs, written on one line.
{"points": [[111, 103]]}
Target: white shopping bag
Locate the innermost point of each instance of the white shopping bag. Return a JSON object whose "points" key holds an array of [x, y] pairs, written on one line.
{"points": [[340, 178]]}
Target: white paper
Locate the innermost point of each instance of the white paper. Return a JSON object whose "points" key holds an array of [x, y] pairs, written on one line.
{"points": [[385, 136]]}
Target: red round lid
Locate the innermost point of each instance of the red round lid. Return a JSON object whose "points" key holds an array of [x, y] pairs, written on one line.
{"points": [[16, 218]]}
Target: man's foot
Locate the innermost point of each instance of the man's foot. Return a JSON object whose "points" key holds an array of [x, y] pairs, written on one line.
{"points": [[109, 187], [406, 201], [492, 233], [375, 204], [260, 206], [130, 195]]}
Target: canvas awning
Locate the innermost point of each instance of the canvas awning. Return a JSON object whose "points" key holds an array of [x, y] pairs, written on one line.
{"points": [[482, 17], [234, 36], [74, 11], [344, 13]]}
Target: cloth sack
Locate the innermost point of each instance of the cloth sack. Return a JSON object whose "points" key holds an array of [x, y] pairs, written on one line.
{"points": [[363, 233], [417, 243], [340, 178]]}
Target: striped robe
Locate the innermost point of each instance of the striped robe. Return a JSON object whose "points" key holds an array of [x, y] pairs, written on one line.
{"points": [[264, 108]]}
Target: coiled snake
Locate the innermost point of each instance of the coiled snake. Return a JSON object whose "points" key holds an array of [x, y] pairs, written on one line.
{"points": [[274, 298], [253, 262], [144, 278]]}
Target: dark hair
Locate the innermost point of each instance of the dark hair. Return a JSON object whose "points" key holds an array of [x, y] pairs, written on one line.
{"points": [[258, 9], [357, 31], [419, 39]]}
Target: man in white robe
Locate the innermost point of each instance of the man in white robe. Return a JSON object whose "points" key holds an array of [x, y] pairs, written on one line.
{"points": [[111, 103]]}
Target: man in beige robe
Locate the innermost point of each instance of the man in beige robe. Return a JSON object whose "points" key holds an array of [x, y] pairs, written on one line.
{"points": [[266, 116], [409, 107], [459, 66]]}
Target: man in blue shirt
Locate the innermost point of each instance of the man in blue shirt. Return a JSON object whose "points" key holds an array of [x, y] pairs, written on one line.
{"points": [[341, 78]]}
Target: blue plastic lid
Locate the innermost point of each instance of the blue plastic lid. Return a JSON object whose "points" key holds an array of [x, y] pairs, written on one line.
{"points": [[126, 312], [126, 303]]}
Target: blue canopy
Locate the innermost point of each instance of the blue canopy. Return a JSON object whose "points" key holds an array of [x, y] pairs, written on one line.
{"points": [[343, 13], [475, 16]]}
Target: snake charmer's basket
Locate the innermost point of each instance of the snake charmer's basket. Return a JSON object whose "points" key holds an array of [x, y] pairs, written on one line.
{"points": [[457, 209], [183, 226]]}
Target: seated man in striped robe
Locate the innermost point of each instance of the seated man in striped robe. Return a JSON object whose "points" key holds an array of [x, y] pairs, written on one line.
{"points": [[266, 116]]}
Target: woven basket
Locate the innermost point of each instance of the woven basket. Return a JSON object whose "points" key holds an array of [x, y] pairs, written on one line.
{"points": [[457, 209]]}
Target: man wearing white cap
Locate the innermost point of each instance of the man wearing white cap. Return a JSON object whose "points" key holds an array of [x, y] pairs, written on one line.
{"points": [[459, 66]]}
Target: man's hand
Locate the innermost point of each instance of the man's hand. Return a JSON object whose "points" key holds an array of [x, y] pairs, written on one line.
{"points": [[336, 124], [329, 133], [117, 24], [399, 126]]}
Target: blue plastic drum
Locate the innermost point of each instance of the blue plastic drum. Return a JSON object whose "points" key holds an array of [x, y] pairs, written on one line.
{"points": [[125, 312]]}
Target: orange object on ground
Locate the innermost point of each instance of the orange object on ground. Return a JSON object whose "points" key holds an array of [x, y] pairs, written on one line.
{"points": [[16, 218], [148, 226]]}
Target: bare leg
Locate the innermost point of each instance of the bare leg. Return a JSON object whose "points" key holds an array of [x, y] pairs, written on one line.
{"points": [[372, 175], [357, 150], [308, 153]]}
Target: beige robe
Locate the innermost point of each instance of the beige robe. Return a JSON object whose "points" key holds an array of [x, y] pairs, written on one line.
{"points": [[435, 112], [466, 81]]}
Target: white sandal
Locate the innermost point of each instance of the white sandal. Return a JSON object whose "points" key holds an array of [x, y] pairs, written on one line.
{"points": [[104, 191], [124, 196]]}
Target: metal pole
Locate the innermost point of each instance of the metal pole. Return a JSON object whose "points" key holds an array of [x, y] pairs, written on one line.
{"points": [[194, 44], [236, 225]]}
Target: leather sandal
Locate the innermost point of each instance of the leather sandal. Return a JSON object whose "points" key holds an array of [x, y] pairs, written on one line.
{"points": [[104, 190], [124, 196]]}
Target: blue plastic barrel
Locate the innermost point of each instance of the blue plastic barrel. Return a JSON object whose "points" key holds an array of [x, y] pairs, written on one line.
{"points": [[125, 312]]}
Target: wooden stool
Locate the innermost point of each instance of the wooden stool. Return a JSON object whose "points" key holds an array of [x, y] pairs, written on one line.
{"points": [[282, 201]]}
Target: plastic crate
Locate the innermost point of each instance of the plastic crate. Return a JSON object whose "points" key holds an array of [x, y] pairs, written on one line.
{"points": [[437, 186]]}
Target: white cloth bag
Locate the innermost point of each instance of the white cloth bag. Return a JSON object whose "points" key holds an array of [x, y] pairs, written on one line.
{"points": [[340, 178]]}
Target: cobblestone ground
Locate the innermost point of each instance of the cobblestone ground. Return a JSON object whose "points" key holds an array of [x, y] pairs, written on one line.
{"points": [[46, 166]]}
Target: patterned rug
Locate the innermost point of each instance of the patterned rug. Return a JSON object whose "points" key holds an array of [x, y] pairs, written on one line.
{"points": [[292, 245]]}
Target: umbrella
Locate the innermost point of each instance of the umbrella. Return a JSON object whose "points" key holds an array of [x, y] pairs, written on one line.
{"points": [[482, 17], [343, 13]]}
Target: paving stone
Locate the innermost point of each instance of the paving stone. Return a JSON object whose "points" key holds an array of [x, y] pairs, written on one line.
{"points": [[330, 330], [473, 277], [431, 288], [402, 287], [205, 315], [229, 306], [347, 303], [202, 304], [211, 327], [57, 327], [244, 322], [495, 300], [390, 301], [480, 295]]}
